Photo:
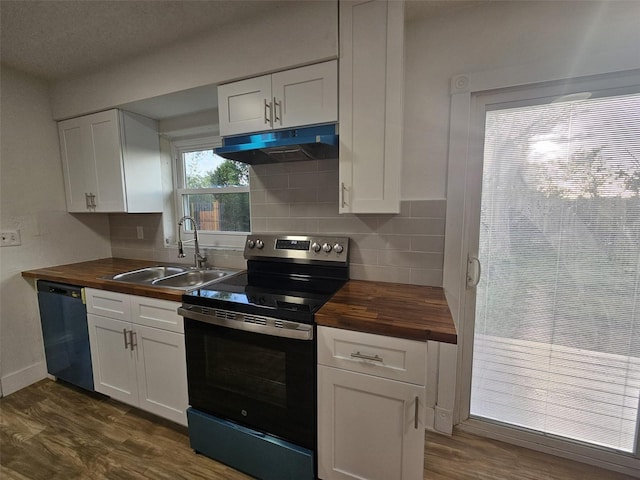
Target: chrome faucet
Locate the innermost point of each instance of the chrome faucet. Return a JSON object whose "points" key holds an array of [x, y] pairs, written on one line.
{"points": [[198, 260]]}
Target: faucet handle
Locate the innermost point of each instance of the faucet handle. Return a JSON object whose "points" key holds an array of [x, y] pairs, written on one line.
{"points": [[201, 260]]}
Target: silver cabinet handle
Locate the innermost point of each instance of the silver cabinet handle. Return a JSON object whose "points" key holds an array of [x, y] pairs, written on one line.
{"points": [[133, 339], [277, 118], [126, 344], [342, 189], [415, 422], [90, 200], [267, 118], [375, 358]]}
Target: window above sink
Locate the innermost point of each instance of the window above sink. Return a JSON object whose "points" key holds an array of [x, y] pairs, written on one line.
{"points": [[212, 190]]}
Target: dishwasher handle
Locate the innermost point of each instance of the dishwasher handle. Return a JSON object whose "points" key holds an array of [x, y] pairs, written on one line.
{"points": [[72, 291]]}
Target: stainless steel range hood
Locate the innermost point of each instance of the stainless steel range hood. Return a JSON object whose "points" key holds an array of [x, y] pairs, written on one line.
{"points": [[308, 143]]}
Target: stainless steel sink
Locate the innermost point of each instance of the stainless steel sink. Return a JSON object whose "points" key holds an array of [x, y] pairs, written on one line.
{"points": [[148, 274], [193, 279], [174, 276]]}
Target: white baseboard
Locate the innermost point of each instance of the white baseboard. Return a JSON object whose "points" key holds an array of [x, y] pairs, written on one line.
{"points": [[23, 378], [438, 419], [443, 420]]}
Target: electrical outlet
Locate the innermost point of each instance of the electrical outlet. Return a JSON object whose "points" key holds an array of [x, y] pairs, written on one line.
{"points": [[11, 238], [140, 231]]}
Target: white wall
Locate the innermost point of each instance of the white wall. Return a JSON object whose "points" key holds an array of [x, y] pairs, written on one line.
{"points": [[33, 201], [490, 36], [295, 34]]}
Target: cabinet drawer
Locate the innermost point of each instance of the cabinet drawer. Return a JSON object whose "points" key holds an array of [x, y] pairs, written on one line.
{"points": [[157, 313], [382, 356], [108, 304]]}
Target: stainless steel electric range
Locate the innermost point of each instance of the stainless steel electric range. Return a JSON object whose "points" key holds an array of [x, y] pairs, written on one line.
{"points": [[251, 355]]}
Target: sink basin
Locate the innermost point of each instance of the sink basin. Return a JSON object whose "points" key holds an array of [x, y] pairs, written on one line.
{"points": [[173, 276], [193, 279], [148, 274]]}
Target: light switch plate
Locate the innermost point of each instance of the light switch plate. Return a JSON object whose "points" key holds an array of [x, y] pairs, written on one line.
{"points": [[10, 238]]}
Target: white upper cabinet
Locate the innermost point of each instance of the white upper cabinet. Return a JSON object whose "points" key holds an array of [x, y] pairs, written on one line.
{"points": [[111, 163], [371, 105], [292, 98]]}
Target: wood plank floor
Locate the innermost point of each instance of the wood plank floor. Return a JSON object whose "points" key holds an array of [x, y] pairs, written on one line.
{"points": [[52, 431]]}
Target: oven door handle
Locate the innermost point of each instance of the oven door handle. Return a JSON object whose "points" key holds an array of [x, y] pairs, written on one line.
{"points": [[288, 329]]}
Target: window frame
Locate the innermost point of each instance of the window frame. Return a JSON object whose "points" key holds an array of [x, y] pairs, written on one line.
{"points": [[206, 238]]}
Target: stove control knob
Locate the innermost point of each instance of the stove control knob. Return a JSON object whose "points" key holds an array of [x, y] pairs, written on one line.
{"points": [[338, 248], [259, 244], [316, 247], [251, 243], [326, 247]]}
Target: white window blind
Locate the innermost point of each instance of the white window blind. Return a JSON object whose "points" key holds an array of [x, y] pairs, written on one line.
{"points": [[557, 328]]}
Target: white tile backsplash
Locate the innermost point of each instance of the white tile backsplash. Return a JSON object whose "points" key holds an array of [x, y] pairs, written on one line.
{"points": [[302, 197], [404, 248]]}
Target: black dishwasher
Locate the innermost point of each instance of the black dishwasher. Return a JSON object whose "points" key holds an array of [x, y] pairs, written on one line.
{"points": [[63, 315]]}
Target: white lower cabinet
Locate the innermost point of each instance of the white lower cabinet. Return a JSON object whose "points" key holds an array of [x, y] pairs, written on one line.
{"points": [[133, 362], [370, 424]]}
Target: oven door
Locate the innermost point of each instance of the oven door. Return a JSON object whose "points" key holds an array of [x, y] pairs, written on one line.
{"points": [[264, 382]]}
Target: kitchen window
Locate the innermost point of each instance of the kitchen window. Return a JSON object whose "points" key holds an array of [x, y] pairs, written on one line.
{"points": [[212, 190]]}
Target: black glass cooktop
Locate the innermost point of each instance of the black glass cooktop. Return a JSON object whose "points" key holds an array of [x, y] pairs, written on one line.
{"points": [[287, 297]]}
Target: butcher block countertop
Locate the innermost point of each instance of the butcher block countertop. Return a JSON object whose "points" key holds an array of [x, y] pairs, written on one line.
{"points": [[88, 274], [398, 310], [393, 309]]}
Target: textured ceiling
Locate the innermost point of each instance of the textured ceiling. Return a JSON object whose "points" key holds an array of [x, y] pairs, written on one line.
{"points": [[59, 39], [56, 39]]}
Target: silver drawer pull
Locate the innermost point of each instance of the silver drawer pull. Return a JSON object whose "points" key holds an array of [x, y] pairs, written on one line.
{"points": [[374, 358], [126, 344]]}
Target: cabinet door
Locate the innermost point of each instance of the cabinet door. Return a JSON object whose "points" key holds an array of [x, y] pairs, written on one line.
{"points": [[368, 427], [112, 359], [306, 95], [162, 372], [245, 106], [371, 96], [77, 164], [104, 131]]}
